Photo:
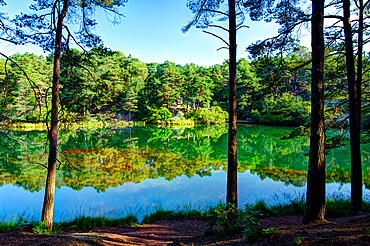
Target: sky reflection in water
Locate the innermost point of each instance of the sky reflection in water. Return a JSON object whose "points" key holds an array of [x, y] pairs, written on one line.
{"points": [[138, 169]]}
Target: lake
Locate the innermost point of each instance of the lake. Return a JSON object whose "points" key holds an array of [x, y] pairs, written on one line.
{"points": [[111, 171]]}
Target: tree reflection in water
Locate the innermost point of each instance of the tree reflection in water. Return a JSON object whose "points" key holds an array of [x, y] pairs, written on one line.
{"points": [[110, 157]]}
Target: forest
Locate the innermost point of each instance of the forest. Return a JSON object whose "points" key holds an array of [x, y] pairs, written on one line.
{"points": [[103, 84], [317, 95]]}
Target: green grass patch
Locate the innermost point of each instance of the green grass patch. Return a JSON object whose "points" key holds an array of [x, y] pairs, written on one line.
{"points": [[84, 223], [294, 207], [335, 207], [8, 226], [221, 219]]}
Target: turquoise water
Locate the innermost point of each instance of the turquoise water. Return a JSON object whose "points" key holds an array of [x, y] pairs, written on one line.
{"points": [[136, 169]]}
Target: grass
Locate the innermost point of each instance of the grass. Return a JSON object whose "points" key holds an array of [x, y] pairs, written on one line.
{"points": [[8, 226], [9, 222], [85, 223], [335, 207]]}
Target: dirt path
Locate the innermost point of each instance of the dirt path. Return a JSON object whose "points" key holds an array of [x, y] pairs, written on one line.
{"points": [[342, 231]]}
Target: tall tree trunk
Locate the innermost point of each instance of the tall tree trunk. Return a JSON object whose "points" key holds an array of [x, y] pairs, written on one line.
{"points": [[354, 93], [48, 206], [232, 168], [315, 204]]}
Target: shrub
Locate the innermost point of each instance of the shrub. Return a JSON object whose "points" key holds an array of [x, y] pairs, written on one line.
{"points": [[40, 228], [158, 115], [213, 115], [284, 109], [228, 219]]}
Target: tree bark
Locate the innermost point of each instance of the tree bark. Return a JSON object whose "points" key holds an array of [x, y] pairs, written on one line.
{"points": [[232, 168], [315, 202], [354, 93], [48, 205]]}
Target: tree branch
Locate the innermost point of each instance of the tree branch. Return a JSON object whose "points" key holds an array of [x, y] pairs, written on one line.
{"points": [[218, 26], [223, 40]]}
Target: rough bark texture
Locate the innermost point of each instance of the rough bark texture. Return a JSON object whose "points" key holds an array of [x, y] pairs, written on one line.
{"points": [[355, 122], [48, 206], [315, 206], [232, 194]]}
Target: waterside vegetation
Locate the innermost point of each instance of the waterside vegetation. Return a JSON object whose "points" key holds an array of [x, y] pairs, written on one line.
{"points": [[221, 220]]}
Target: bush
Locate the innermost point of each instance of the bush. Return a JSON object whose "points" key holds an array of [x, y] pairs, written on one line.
{"points": [[213, 115], [158, 115], [285, 109], [40, 228], [228, 219]]}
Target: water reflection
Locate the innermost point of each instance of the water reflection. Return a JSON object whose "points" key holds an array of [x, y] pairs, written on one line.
{"points": [[108, 157]]}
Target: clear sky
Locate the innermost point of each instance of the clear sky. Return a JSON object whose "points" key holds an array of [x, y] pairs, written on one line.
{"points": [[151, 32]]}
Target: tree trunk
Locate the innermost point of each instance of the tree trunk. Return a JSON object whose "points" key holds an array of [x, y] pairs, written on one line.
{"points": [[90, 105], [315, 202], [84, 108], [187, 103], [354, 93], [48, 206], [232, 168]]}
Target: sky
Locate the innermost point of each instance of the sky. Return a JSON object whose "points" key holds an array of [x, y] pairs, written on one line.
{"points": [[151, 32]]}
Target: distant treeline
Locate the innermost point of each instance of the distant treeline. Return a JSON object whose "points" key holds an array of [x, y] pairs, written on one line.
{"points": [[102, 83]]}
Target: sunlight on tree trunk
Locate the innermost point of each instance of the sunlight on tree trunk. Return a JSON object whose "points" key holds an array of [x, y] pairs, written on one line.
{"points": [[315, 204], [232, 169], [48, 206]]}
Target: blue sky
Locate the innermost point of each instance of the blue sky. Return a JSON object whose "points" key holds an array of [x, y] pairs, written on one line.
{"points": [[151, 31]]}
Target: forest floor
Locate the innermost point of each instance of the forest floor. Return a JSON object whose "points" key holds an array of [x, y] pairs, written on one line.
{"points": [[338, 232]]}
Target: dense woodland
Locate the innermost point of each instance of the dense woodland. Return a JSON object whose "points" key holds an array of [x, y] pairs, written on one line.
{"points": [[105, 84]]}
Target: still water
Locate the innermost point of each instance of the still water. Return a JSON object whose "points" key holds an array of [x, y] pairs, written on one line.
{"points": [[136, 169]]}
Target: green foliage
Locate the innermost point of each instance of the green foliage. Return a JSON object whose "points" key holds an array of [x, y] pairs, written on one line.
{"points": [[337, 207], [283, 109], [298, 240], [213, 115], [222, 220], [24, 88], [40, 228], [270, 89], [295, 206], [84, 223], [176, 151], [158, 115], [263, 207], [7, 226], [228, 219], [179, 121]]}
